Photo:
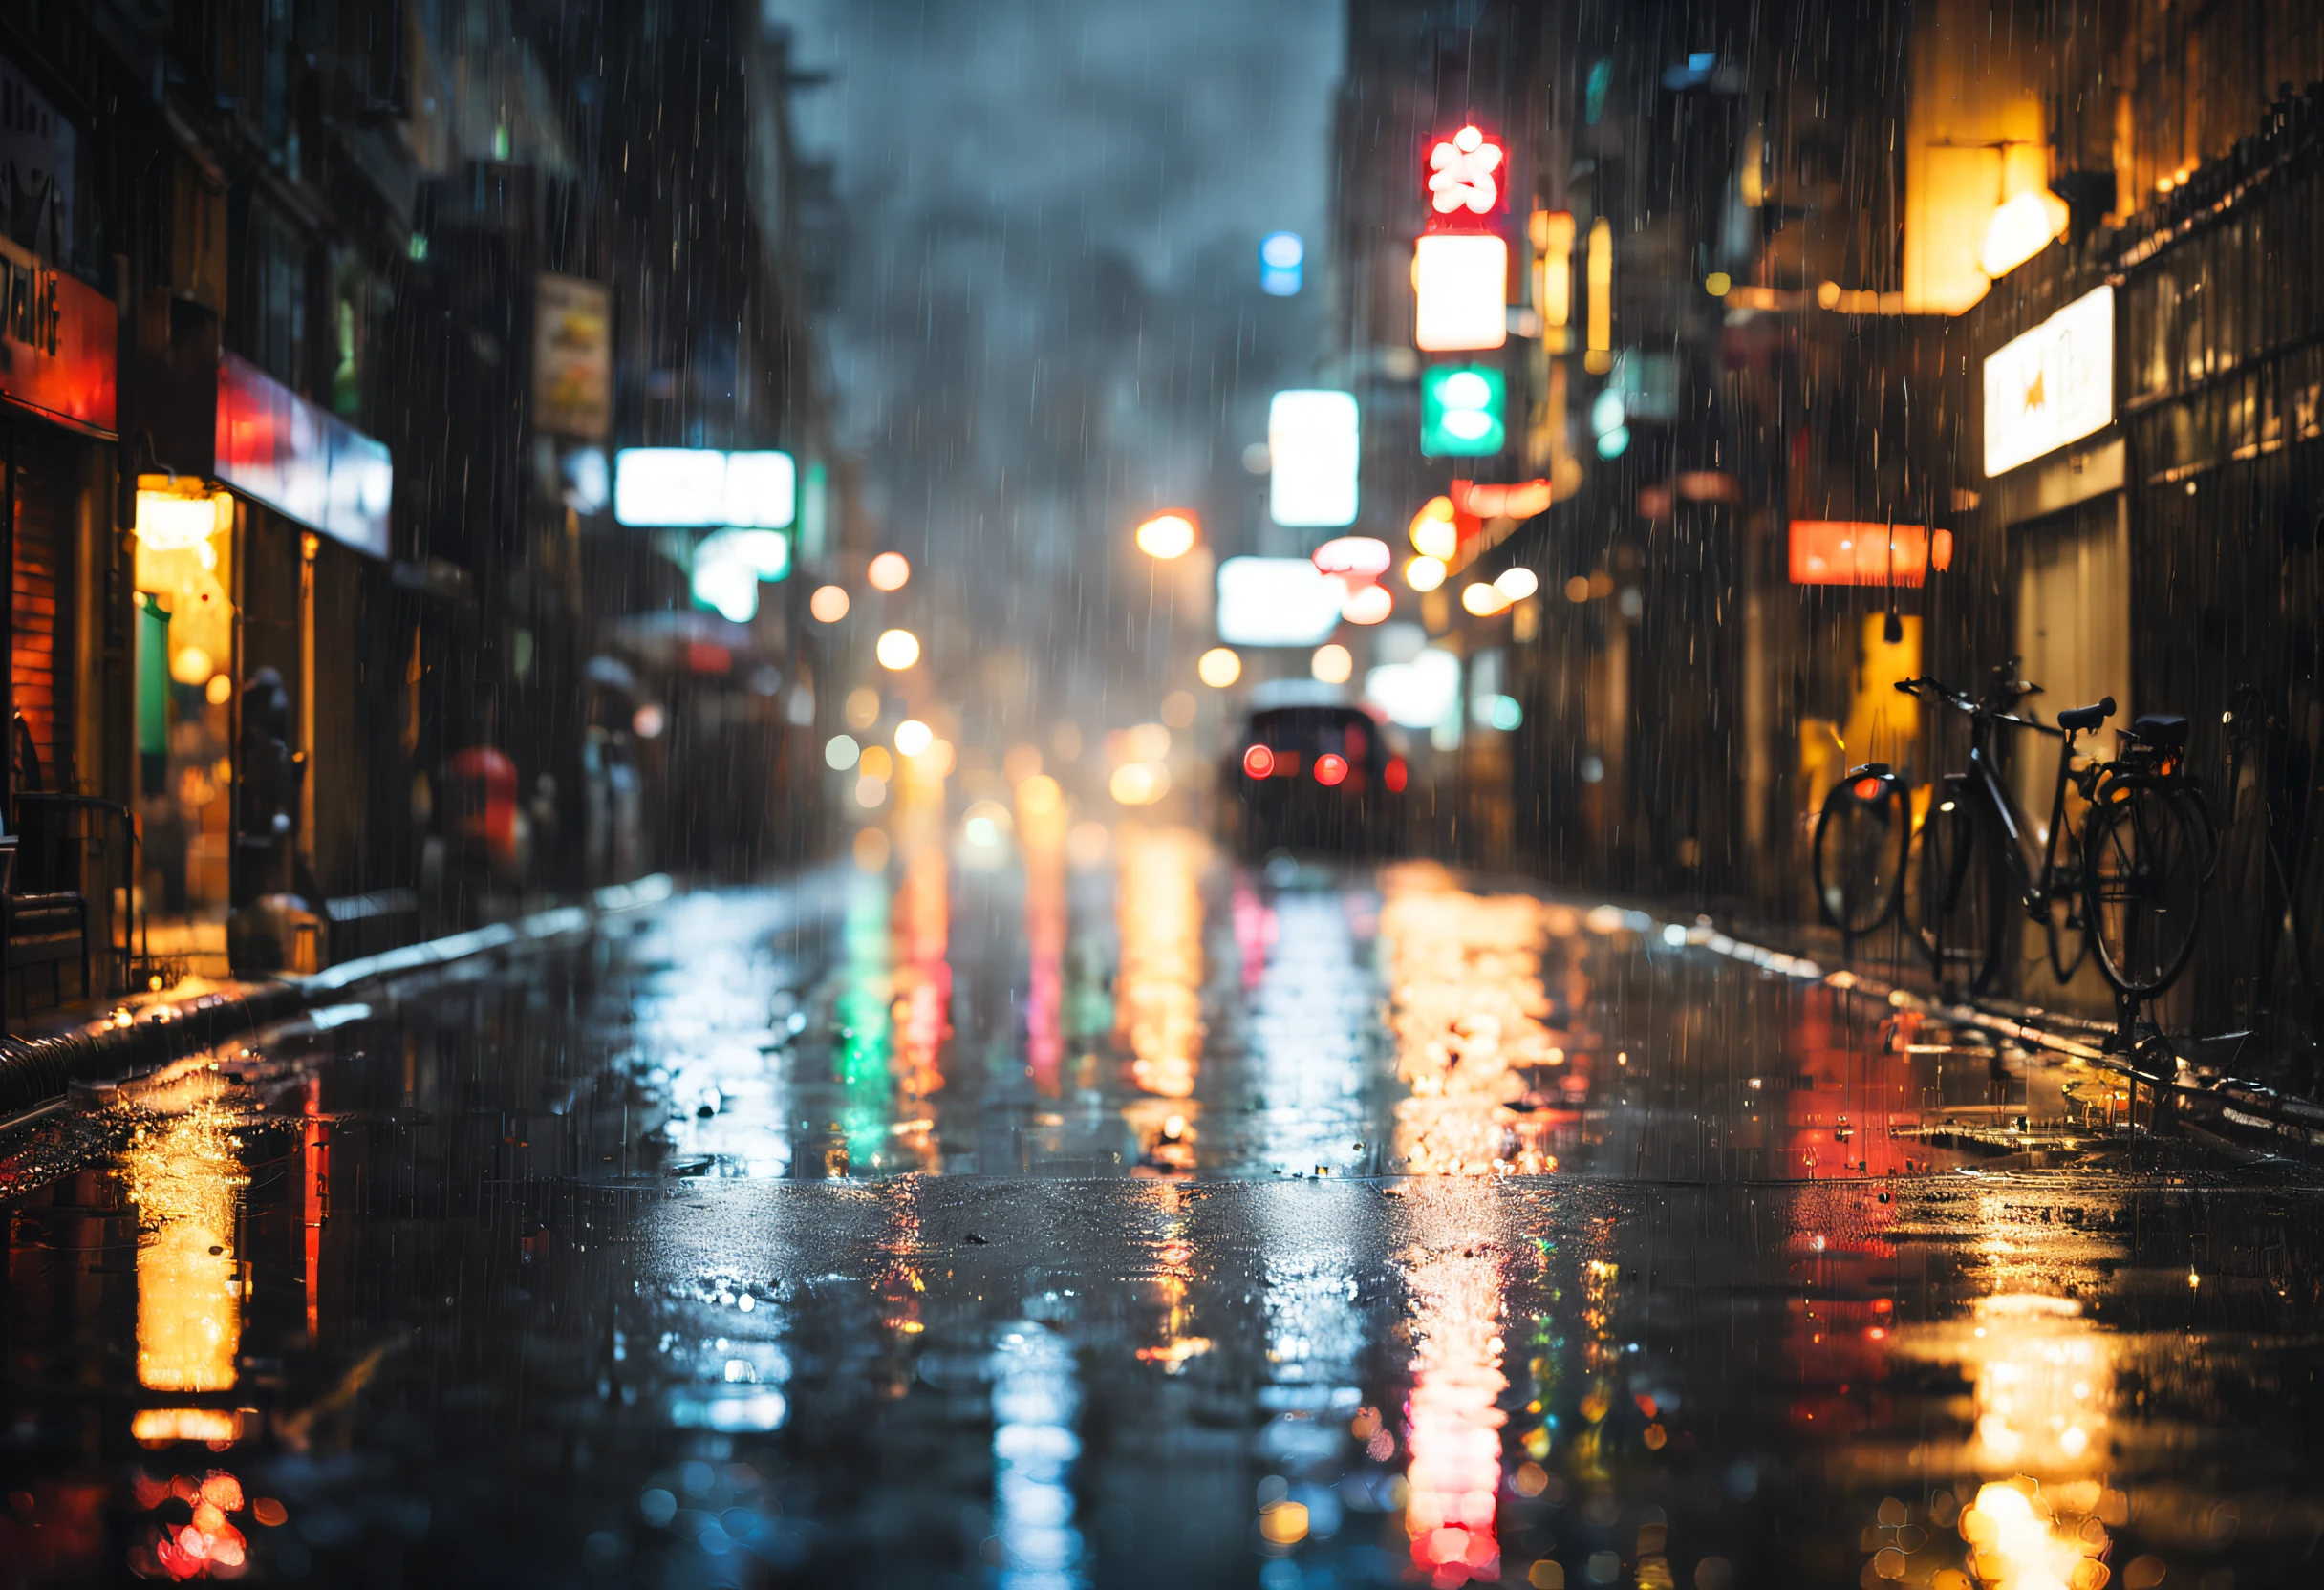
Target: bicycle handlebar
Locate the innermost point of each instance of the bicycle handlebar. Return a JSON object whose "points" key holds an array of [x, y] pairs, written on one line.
{"points": [[1959, 701]]}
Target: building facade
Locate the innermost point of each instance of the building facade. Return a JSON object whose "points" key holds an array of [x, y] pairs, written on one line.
{"points": [[1764, 268], [326, 326]]}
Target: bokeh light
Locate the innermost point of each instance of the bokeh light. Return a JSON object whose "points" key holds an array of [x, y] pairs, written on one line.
{"points": [[1424, 573], [829, 604], [1483, 600], [913, 736], [1220, 667], [897, 649], [1331, 663], [889, 572], [1369, 604], [1167, 536]]}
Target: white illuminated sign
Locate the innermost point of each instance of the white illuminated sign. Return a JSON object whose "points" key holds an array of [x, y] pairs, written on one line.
{"points": [[2050, 386], [1313, 448], [1462, 280], [1416, 694], [1277, 602], [688, 488]]}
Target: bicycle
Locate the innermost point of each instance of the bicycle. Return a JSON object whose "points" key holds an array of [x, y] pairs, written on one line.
{"points": [[2128, 884]]}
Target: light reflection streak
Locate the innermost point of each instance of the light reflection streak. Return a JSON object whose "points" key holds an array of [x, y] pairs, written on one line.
{"points": [[1467, 1003], [1177, 1344], [860, 1061], [1036, 1396], [921, 987], [314, 1194], [1041, 837], [1453, 1419], [2043, 1379], [1158, 1001], [185, 1176], [1307, 1038]]}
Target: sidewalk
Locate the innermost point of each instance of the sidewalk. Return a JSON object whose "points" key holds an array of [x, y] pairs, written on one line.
{"points": [[2238, 1114], [91, 1043]]}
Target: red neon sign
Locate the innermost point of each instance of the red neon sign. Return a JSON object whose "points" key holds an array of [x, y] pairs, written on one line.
{"points": [[58, 342], [1464, 177], [1839, 551]]}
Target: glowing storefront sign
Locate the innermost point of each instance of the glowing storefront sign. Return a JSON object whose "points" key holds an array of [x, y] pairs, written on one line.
{"points": [[1462, 283], [60, 338], [1314, 446], [2050, 386], [301, 461], [1838, 551], [1277, 602], [692, 487]]}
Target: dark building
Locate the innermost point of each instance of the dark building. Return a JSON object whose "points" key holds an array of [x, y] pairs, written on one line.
{"points": [[327, 324]]}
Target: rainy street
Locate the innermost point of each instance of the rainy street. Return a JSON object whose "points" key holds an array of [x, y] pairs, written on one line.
{"points": [[1068, 794], [1155, 1222]]}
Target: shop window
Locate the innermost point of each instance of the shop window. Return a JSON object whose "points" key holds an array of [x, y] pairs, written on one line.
{"points": [[184, 669]]}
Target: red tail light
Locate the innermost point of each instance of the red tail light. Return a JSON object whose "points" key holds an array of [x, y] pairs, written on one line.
{"points": [[1866, 788], [1259, 761], [1396, 776], [1330, 768]]}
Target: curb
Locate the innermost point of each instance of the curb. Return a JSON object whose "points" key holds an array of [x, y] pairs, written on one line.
{"points": [[144, 1034]]}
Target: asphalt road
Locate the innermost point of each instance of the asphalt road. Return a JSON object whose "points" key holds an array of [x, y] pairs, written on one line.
{"points": [[1148, 1224]]}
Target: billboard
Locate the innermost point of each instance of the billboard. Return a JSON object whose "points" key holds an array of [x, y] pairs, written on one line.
{"points": [[572, 356]]}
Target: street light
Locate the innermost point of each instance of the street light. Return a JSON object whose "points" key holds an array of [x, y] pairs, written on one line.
{"points": [[1167, 536]]}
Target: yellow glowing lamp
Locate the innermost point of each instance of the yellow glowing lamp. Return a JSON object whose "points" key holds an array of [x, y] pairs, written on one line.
{"points": [[2020, 230], [178, 514]]}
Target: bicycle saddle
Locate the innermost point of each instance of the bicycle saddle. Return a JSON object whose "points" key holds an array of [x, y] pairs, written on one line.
{"points": [[2080, 719], [2164, 731]]}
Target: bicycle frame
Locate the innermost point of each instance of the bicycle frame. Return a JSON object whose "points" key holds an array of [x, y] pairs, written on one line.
{"points": [[2035, 876]]}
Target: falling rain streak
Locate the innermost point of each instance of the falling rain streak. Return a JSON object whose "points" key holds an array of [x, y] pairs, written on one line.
{"points": [[1049, 796]]}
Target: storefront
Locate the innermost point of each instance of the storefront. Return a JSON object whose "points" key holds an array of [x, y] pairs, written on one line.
{"points": [[312, 496], [248, 622], [57, 426]]}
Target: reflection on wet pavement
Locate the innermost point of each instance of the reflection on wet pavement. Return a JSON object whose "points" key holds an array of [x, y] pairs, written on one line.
{"points": [[1335, 1229]]}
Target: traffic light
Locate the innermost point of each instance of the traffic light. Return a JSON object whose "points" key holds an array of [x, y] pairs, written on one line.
{"points": [[1461, 411]]}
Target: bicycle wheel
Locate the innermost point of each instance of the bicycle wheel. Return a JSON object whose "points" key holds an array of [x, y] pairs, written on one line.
{"points": [[1960, 895], [1863, 837], [2145, 851]]}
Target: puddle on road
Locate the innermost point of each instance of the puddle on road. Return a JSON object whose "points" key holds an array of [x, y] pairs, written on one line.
{"points": [[1334, 1230]]}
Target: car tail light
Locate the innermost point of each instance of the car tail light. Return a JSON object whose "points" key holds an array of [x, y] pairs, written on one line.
{"points": [[1394, 776], [1330, 768], [1259, 761], [1866, 788]]}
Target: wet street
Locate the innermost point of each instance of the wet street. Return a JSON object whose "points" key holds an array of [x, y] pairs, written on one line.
{"points": [[1145, 1221]]}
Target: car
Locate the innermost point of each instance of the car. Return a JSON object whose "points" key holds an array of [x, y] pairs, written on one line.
{"points": [[1313, 778]]}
